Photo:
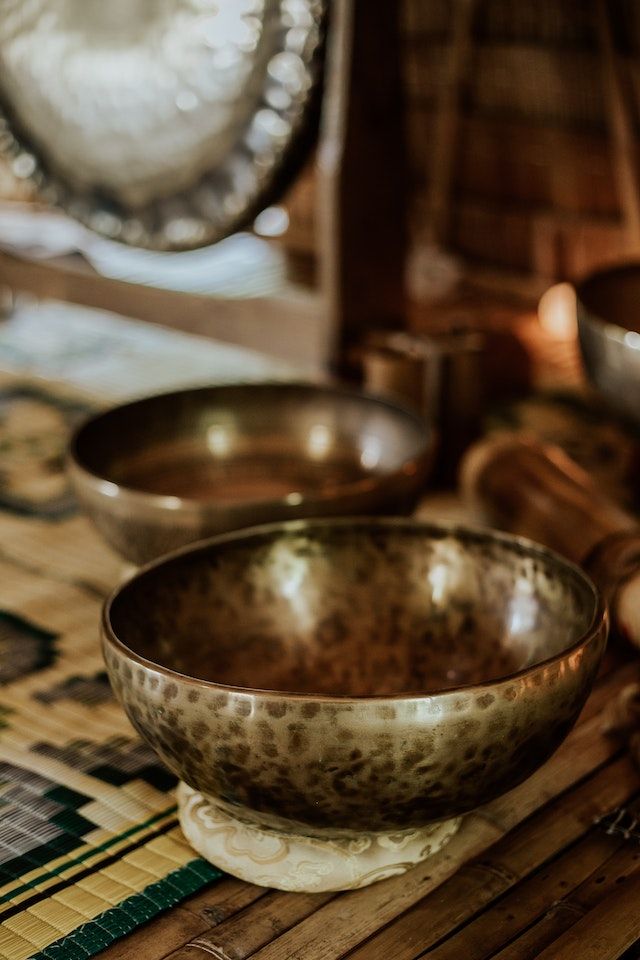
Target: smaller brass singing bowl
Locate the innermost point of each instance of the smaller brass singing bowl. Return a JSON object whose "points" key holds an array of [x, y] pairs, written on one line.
{"points": [[345, 689], [609, 331], [162, 472]]}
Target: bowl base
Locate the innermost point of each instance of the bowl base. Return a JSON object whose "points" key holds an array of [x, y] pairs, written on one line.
{"points": [[287, 861]]}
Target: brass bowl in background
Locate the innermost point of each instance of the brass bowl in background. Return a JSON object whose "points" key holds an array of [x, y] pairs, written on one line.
{"points": [[354, 678], [609, 331], [164, 471]]}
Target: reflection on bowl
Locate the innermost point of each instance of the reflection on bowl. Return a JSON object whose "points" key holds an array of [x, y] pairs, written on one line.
{"points": [[341, 677], [164, 471], [609, 329]]}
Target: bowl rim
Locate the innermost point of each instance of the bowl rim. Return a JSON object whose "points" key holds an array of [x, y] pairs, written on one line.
{"points": [[407, 469], [599, 620], [625, 336]]}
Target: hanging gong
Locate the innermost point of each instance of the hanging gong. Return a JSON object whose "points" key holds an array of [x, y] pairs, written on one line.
{"points": [[165, 124]]}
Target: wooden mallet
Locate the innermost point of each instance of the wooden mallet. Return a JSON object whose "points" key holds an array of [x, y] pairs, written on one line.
{"points": [[518, 484]]}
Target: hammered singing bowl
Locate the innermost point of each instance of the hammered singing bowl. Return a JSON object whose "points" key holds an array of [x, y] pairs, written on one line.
{"points": [[609, 331], [161, 472], [342, 678]]}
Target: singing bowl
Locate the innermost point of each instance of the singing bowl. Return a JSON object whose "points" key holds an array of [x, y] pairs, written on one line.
{"points": [[165, 471], [609, 332], [347, 688]]}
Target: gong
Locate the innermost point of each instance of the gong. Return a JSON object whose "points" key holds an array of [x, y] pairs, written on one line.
{"points": [[166, 124]]}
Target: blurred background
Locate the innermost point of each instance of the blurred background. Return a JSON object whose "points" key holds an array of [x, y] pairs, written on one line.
{"points": [[457, 161]]}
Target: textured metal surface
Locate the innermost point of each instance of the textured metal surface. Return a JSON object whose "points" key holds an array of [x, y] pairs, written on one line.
{"points": [[160, 123], [609, 329], [354, 675], [171, 469]]}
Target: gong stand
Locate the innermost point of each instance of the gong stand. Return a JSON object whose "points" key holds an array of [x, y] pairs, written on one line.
{"points": [[361, 174]]}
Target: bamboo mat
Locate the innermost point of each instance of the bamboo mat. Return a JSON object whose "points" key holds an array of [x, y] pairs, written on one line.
{"points": [[89, 842]]}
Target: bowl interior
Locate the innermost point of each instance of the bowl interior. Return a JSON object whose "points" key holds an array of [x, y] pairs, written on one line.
{"points": [[614, 296], [249, 442], [354, 609]]}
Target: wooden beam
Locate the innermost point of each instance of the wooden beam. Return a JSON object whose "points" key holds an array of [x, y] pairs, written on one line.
{"points": [[361, 173], [290, 325]]}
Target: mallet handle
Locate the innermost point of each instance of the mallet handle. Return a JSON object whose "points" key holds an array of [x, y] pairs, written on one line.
{"points": [[520, 485]]}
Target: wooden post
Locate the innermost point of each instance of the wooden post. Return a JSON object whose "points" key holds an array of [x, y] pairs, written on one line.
{"points": [[361, 174]]}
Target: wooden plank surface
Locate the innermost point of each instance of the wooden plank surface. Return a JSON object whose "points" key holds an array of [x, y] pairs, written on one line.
{"points": [[528, 875]]}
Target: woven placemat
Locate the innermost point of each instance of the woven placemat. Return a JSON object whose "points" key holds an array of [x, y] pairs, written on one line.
{"points": [[90, 847], [89, 842]]}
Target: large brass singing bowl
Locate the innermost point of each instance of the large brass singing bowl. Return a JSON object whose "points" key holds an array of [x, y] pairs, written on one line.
{"points": [[162, 472], [344, 679], [609, 330]]}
